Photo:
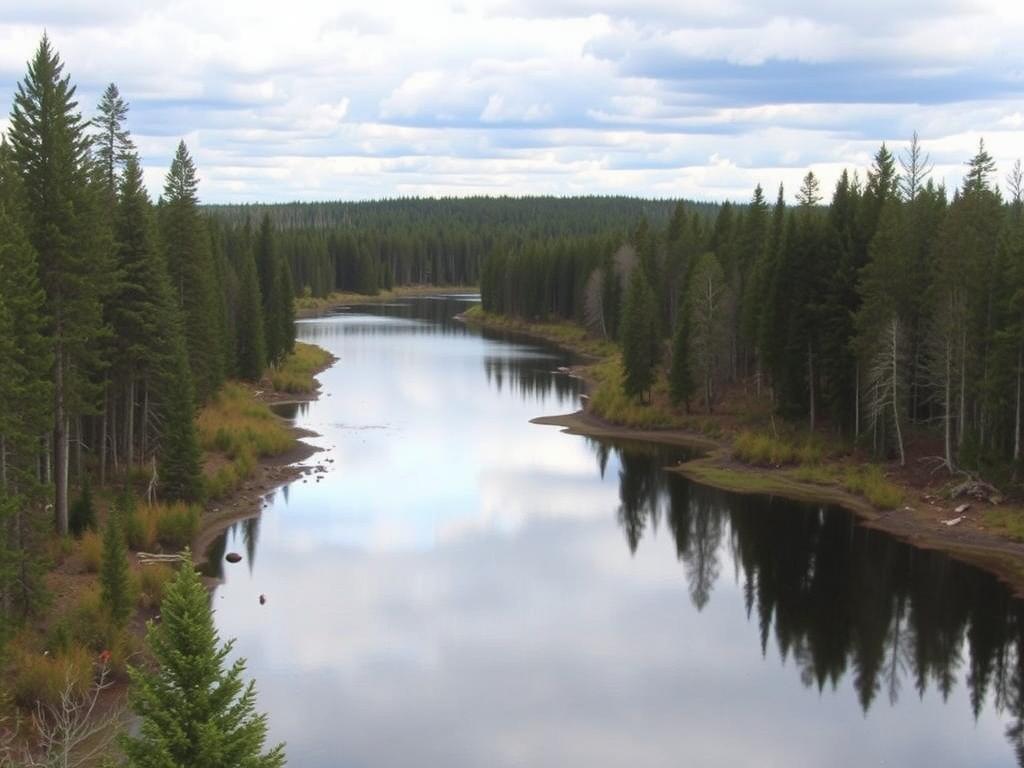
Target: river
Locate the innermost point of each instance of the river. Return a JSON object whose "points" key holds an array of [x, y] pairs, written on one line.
{"points": [[459, 588]]}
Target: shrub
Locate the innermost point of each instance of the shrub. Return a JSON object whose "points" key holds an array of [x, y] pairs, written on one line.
{"points": [[82, 516], [140, 530], [91, 547], [40, 679], [870, 482], [176, 524], [295, 373], [152, 583]]}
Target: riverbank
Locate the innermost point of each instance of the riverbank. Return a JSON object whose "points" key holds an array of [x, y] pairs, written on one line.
{"points": [[982, 534], [315, 307], [244, 442], [294, 382]]}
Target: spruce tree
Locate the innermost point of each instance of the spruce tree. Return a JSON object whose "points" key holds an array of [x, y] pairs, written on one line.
{"points": [[195, 710], [51, 151], [270, 289], [179, 468], [112, 143], [284, 310], [193, 277], [83, 511], [251, 352], [638, 329], [680, 381], [115, 586]]}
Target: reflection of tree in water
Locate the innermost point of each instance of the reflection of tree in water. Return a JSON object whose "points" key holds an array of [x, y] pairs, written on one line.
{"points": [[251, 535], [532, 377], [838, 598]]}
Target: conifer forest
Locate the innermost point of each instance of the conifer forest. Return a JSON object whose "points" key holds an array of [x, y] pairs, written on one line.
{"points": [[484, 461]]}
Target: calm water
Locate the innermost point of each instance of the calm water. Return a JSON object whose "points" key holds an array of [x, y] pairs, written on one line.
{"points": [[463, 588]]}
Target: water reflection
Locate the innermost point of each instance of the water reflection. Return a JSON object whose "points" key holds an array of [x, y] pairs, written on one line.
{"points": [[464, 588], [290, 411], [838, 599]]}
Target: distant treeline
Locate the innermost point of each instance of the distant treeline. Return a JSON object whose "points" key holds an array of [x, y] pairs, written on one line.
{"points": [[891, 305], [117, 318], [368, 246]]}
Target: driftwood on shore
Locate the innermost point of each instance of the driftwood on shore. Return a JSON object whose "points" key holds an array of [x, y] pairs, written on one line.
{"points": [[151, 558]]}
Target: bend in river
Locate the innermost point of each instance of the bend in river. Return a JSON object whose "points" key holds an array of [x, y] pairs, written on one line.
{"points": [[458, 587]]}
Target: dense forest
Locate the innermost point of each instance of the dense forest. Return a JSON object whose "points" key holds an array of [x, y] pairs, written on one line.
{"points": [[894, 305], [367, 246], [118, 319]]}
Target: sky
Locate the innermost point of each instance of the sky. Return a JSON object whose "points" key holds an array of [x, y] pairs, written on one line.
{"points": [[323, 100]]}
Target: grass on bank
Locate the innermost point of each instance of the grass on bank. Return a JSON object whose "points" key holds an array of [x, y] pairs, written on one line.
{"points": [[768, 450], [1006, 521], [239, 427], [295, 375], [563, 332]]}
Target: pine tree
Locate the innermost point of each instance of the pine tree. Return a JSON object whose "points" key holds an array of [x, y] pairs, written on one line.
{"points": [[284, 310], [193, 279], [681, 384], [194, 710], [270, 289], [51, 151], [886, 290], [115, 586], [83, 511], [638, 336], [708, 330], [111, 141], [180, 477], [251, 352]]}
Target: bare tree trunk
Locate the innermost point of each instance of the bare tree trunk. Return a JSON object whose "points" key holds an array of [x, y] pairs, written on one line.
{"points": [[103, 434], [948, 404], [145, 424], [856, 401], [130, 426], [895, 394], [1016, 417], [60, 443], [78, 447], [963, 390], [113, 439], [810, 379]]}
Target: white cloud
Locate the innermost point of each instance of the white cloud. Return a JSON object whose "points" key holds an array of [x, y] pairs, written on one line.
{"points": [[564, 96]]}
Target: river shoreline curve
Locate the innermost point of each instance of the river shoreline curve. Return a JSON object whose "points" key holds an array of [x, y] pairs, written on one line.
{"points": [[916, 523]]}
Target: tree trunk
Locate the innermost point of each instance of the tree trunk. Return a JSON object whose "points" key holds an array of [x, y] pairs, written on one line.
{"points": [[130, 425], [145, 424], [60, 444], [1016, 417], [810, 379], [78, 448], [856, 401], [948, 404], [895, 393], [103, 434], [113, 439], [963, 390]]}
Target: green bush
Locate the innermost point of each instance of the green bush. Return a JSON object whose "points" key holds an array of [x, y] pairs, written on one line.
{"points": [[153, 581], [82, 516], [40, 679]]}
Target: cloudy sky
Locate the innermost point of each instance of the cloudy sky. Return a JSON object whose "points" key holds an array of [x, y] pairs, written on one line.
{"points": [[312, 99]]}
